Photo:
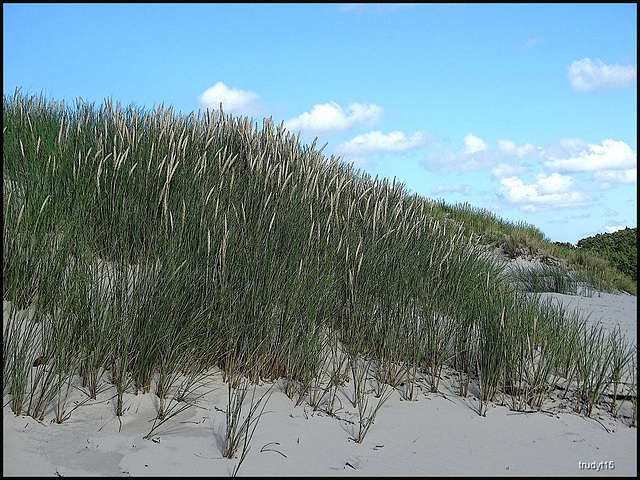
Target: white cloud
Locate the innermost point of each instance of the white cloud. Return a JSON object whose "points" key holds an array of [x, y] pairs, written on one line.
{"points": [[503, 170], [331, 116], [455, 188], [533, 41], [611, 155], [548, 192], [606, 179], [610, 177], [509, 147], [614, 228], [569, 143], [377, 141], [515, 191], [586, 75], [233, 100], [475, 154], [564, 147], [472, 144], [554, 183]]}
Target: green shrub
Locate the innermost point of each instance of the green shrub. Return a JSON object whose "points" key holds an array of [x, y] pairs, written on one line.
{"points": [[619, 248]]}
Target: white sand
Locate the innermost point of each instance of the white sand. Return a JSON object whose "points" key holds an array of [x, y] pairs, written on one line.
{"points": [[439, 434], [607, 309]]}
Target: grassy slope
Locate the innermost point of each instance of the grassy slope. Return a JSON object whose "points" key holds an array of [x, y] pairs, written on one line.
{"points": [[148, 244], [527, 240]]}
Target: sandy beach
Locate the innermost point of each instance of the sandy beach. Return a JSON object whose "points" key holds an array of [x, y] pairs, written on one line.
{"points": [[438, 434]]}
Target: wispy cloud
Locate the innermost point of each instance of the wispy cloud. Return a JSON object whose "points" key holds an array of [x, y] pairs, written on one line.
{"points": [[533, 41], [609, 178], [594, 75], [503, 170], [377, 141], [510, 148], [330, 116], [462, 188], [475, 154], [233, 100], [350, 7], [614, 228]]}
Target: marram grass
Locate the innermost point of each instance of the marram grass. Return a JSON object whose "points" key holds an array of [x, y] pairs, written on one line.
{"points": [[150, 247]]}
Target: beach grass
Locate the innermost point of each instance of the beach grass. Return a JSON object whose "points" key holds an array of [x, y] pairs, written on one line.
{"points": [[140, 247]]}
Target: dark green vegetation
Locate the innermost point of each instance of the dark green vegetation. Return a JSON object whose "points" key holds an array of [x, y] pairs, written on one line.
{"points": [[147, 248], [619, 248], [614, 270]]}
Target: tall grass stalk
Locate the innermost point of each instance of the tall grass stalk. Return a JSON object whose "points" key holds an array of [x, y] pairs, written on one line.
{"points": [[367, 414], [633, 386], [19, 352], [621, 354], [240, 428], [594, 362]]}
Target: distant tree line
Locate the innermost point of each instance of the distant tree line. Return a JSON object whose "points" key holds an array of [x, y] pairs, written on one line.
{"points": [[619, 248], [566, 245]]}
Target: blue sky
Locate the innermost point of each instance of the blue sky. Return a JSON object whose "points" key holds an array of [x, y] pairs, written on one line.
{"points": [[526, 110]]}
